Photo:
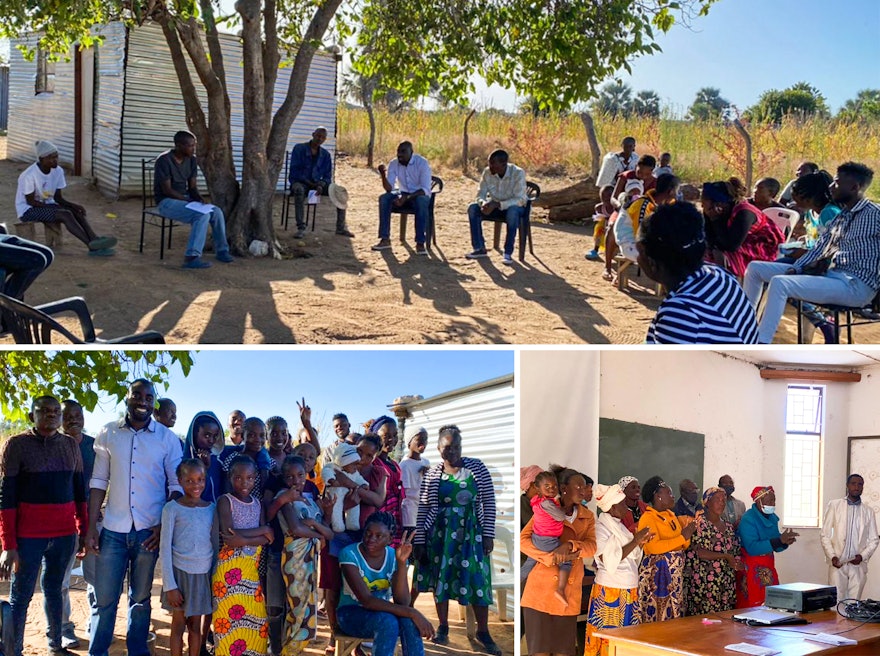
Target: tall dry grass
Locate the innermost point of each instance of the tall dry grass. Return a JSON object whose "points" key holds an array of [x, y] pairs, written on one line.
{"points": [[557, 145]]}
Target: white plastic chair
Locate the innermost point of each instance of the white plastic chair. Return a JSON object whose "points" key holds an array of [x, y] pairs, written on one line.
{"points": [[784, 218], [502, 583]]}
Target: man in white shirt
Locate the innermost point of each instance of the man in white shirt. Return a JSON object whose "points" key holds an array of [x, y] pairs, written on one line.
{"points": [[38, 199], [849, 538], [502, 197], [407, 184], [139, 455], [613, 164]]}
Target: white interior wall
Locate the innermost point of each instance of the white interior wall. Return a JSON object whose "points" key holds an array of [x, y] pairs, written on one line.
{"points": [[741, 415]]}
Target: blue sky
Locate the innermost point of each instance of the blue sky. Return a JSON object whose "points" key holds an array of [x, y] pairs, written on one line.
{"points": [[360, 383]]}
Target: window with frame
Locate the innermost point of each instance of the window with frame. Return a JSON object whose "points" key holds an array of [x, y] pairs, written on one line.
{"points": [[804, 424], [45, 82]]}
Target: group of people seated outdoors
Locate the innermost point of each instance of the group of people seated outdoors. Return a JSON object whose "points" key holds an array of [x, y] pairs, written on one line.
{"points": [[241, 522], [718, 260], [657, 559]]}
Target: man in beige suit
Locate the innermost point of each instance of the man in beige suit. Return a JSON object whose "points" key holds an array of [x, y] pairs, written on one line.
{"points": [[849, 538]]}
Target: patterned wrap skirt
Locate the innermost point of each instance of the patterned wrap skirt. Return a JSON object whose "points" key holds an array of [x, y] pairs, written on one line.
{"points": [[610, 608], [240, 624], [751, 583], [661, 587]]}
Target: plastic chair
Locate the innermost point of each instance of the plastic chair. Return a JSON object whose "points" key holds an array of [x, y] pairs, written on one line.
{"points": [[35, 325], [149, 214], [854, 316], [430, 229], [784, 218], [533, 192]]}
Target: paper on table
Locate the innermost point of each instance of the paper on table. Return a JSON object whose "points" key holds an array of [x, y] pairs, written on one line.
{"points": [[202, 208], [313, 197]]}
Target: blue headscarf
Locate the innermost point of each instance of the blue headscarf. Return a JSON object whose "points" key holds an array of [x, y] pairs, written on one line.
{"points": [[381, 421]]}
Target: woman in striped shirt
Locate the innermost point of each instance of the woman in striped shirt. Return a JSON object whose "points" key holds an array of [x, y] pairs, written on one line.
{"points": [[705, 304], [455, 534]]}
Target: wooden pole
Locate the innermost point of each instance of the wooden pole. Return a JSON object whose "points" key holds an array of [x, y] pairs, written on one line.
{"points": [[595, 152], [748, 141], [465, 144]]}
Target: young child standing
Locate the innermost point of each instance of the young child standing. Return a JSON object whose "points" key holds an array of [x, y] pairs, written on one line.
{"points": [[186, 553], [240, 627], [547, 527], [413, 467], [604, 209]]}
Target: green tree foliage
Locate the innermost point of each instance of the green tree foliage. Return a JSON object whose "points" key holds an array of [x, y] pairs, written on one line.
{"points": [[81, 375], [615, 99], [800, 100], [646, 104], [864, 107], [708, 104]]}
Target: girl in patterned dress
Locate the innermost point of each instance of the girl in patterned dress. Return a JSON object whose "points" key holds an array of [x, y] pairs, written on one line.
{"points": [[455, 535], [240, 624]]}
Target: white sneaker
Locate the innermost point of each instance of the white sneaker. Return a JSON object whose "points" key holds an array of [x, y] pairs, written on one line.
{"points": [[506, 259]]}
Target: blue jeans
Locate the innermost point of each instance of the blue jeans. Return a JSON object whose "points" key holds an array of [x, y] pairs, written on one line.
{"points": [[511, 216], [53, 554], [420, 206], [67, 627], [175, 210], [384, 628], [121, 554]]}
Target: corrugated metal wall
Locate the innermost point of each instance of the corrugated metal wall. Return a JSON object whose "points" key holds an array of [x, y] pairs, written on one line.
{"points": [[44, 116], [4, 97], [110, 91], [485, 415], [154, 108]]}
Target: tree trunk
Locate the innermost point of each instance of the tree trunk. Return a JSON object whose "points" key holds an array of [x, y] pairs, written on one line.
{"points": [[748, 143], [465, 155], [595, 152], [371, 145]]}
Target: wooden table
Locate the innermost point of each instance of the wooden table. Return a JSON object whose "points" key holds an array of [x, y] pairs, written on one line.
{"points": [[689, 636]]}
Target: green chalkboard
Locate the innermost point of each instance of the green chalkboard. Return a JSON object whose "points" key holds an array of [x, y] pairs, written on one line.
{"points": [[628, 449]]}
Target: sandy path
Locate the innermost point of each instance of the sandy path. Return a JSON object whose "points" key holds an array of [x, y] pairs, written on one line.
{"points": [[347, 293]]}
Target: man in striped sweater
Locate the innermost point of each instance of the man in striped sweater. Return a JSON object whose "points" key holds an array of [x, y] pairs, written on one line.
{"points": [[42, 515]]}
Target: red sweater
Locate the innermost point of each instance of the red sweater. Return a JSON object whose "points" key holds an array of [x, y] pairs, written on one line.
{"points": [[42, 489]]}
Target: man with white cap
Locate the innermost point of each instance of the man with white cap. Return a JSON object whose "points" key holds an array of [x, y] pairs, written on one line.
{"points": [[38, 199]]}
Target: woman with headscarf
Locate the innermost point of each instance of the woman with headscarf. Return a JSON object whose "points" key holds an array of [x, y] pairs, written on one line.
{"points": [[386, 428], [714, 556], [550, 625], [200, 443], [759, 534], [614, 598], [633, 502], [455, 536], [737, 231], [660, 572]]}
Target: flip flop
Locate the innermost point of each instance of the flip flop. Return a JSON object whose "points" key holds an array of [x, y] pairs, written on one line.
{"points": [[102, 252]]}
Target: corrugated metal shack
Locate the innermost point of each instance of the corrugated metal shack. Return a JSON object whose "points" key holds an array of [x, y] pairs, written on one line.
{"points": [[485, 414], [112, 105]]}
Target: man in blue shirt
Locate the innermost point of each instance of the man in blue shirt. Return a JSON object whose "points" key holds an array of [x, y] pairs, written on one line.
{"points": [[310, 170]]}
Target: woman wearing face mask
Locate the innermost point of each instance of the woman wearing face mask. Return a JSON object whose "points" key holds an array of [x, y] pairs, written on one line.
{"points": [[759, 533]]}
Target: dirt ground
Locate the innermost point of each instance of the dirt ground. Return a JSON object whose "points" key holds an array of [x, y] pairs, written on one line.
{"points": [[346, 293], [35, 632]]}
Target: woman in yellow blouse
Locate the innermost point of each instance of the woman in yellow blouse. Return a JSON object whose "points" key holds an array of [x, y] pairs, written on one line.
{"points": [[660, 572]]}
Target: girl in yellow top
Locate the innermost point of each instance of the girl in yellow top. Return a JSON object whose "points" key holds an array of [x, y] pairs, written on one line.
{"points": [[661, 593]]}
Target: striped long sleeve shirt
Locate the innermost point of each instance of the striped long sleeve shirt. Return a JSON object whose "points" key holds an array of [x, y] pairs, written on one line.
{"points": [[429, 499], [42, 488], [709, 307]]}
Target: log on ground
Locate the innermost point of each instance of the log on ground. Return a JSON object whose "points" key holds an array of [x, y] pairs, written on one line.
{"points": [[585, 190]]}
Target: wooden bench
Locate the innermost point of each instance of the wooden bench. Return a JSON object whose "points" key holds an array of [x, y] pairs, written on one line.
{"points": [[345, 645], [625, 269], [52, 233]]}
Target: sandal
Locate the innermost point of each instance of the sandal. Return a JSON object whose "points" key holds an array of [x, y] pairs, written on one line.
{"points": [[441, 636], [607, 275], [489, 645]]}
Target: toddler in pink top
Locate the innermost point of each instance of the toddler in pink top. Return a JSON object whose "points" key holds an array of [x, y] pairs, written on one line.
{"points": [[547, 527]]}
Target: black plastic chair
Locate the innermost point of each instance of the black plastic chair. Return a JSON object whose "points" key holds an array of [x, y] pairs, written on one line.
{"points": [[149, 214], [533, 192], [35, 325], [311, 210], [430, 228], [854, 316]]}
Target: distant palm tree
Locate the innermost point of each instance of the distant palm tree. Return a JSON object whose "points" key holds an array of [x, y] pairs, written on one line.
{"points": [[646, 103], [615, 99], [865, 105], [708, 104]]}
